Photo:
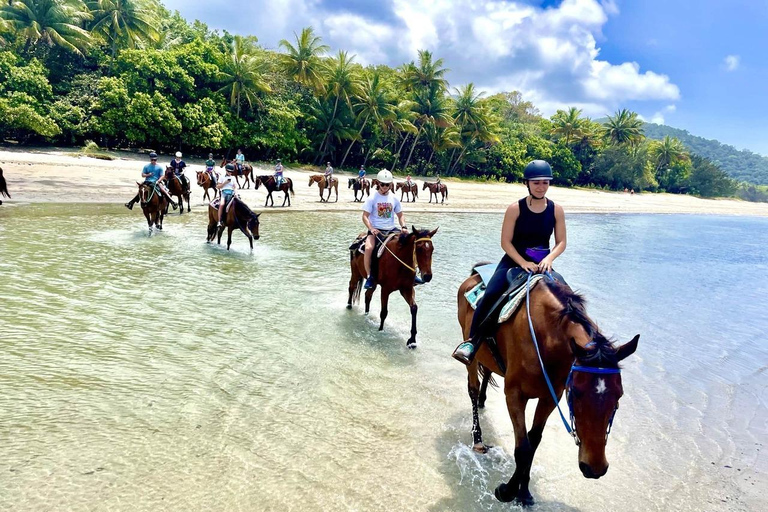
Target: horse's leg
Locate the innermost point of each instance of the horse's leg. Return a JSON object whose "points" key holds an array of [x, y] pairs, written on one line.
{"points": [[221, 232], [286, 197], [336, 189], [484, 389], [384, 307], [523, 449], [543, 409], [410, 297], [368, 295], [473, 386], [229, 236]]}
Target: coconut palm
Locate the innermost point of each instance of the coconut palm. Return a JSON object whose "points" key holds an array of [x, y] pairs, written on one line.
{"points": [[372, 103], [342, 84], [467, 111], [303, 62], [54, 22], [424, 75], [441, 139], [124, 23], [623, 128], [432, 107], [242, 70], [668, 151], [568, 125]]}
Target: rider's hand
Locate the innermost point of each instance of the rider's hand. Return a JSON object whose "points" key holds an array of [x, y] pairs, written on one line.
{"points": [[529, 266], [375, 231], [545, 265]]}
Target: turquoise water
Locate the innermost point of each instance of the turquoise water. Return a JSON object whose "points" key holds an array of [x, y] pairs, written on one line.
{"points": [[162, 373]]}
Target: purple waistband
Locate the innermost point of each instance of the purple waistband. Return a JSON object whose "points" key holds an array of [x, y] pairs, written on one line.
{"points": [[537, 253]]}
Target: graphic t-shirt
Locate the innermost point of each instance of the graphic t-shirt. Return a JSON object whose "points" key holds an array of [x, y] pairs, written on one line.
{"points": [[382, 210], [155, 171]]}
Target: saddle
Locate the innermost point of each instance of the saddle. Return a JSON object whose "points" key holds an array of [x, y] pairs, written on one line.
{"points": [[358, 246], [217, 202]]}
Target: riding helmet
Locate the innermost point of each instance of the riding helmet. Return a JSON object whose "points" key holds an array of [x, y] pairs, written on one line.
{"points": [[229, 167], [384, 176], [178, 154], [537, 170], [153, 156]]}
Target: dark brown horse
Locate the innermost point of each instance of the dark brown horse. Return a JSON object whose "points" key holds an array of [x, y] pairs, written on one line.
{"points": [[3, 187], [396, 272], [247, 171], [153, 204], [204, 180], [271, 185], [364, 188], [323, 186], [570, 344], [239, 216], [434, 189], [413, 189], [177, 188]]}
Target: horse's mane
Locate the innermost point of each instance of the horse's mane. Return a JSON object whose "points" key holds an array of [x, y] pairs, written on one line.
{"points": [[420, 233], [601, 351]]}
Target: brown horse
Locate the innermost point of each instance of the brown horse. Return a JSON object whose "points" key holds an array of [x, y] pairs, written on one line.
{"points": [[575, 356], [364, 188], [396, 272], [434, 189], [204, 180], [3, 187], [322, 186], [247, 172], [153, 204], [239, 216], [177, 188], [271, 185], [413, 189]]}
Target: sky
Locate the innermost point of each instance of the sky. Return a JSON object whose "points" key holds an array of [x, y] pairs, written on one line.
{"points": [[697, 65]]}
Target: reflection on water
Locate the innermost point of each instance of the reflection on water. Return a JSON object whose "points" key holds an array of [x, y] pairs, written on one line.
{"points": [[163, 373]]}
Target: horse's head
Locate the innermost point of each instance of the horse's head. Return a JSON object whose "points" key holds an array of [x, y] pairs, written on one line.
{"points": [[593, 390], [253, 225], [144, 191], [399, 185], [351, 182], [426, 186], [200, 178], [257, 183], [423, 248], [168, 172], [223, 163], [314, 178]]}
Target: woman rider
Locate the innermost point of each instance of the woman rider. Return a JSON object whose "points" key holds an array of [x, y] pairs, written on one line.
{"points": [[525, 233], [227, 187], [209, 165]]}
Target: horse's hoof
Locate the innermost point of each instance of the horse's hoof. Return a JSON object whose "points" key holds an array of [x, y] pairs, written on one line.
{"points": [[480, 448], [524, 498], [500, 493], [349, 306], [411, 344]]}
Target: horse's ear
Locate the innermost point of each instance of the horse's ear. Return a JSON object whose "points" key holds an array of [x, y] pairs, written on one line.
{"points": [[579, 352], [257, 215], [137, 183], [432, 233], [413, 230], [628, 348]]}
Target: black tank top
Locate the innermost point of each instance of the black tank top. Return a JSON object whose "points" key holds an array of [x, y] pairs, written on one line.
{"points": [[533, 229]]}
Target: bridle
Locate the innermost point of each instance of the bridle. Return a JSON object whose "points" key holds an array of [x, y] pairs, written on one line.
{"points": [[570, 428], [415, 264]]}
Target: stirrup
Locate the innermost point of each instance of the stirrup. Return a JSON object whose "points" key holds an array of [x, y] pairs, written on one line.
{"points": [[129, 205], [464, 353]]}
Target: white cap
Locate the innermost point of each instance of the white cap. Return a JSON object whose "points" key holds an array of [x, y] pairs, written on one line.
{"points": [[178, 154], [384, 176]]}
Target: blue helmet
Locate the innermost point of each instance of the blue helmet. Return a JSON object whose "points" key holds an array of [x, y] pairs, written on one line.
{"points": [[537, 170], [153, 156]]}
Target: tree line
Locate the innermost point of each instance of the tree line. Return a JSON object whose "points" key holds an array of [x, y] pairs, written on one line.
{"points": [[129, 73]]}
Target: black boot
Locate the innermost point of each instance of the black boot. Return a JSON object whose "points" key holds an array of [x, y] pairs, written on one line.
{"points": [[133, 201]]}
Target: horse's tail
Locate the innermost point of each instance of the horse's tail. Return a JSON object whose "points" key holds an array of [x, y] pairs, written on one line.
{"points": [[290, 185], [3, 185], [446, 191], [485, 373]]}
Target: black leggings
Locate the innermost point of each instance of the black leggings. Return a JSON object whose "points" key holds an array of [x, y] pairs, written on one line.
{"points": [[496, 287]]}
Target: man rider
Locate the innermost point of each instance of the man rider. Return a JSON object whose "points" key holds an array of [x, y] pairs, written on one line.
{"points": [[278, 173], [361, 175], [227, 188], [328, 175], [178, 166], [153, 175]]}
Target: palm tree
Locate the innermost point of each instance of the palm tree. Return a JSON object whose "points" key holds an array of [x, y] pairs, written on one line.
{"points": [[467, 111], [440, 139], [623, 128], [54, 22], [424, 75], [432, 107], [303, 62], [342, 84], [243, 72], [373, 102], [568, 125], [124, 23], [668, 151]]}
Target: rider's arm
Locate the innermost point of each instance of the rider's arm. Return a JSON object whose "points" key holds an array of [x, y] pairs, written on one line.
{"points": [[507, 232], [367, 221], [560, 239], [401, 219]]}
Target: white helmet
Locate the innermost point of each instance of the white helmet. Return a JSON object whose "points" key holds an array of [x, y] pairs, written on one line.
{"points": [[384, 176], [178, 154]]}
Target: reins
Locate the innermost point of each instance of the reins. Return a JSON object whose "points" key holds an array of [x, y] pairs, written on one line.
{"points": [[571, 429], [411, 268]]}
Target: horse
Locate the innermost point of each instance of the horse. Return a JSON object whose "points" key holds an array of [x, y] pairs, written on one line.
{"points": [[176, 188], [153, 204], [364, 188], [204, 180], [413, 189], [395, 273], [321, 185], [574, 355], [238, 216], [3, 187], [271, 185], [436, 188], [247, 172]]}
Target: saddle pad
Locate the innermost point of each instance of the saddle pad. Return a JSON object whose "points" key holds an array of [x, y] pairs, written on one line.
{"points": [[474, 295], [217, 202]]}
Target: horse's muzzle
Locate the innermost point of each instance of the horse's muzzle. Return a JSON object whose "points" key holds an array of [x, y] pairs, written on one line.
{"points": [[256, 237], [426, 278], [586, 470]]}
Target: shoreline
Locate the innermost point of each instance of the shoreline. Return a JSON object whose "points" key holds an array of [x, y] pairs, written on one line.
{"points": [[61, 175]]}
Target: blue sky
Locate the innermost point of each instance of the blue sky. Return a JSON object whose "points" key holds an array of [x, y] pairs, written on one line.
{"points": [[698, 65]]}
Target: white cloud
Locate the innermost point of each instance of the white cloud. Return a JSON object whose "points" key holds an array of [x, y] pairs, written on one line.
{"points": [[732, 62], [658, 117]]}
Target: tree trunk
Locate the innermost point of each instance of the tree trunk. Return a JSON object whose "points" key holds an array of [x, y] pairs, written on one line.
{"points": [[418, 134], [397, 155], [328, 130], [359, 134]]}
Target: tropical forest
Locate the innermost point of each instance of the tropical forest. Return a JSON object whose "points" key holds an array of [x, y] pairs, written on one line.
{"points": [[129, 74]]}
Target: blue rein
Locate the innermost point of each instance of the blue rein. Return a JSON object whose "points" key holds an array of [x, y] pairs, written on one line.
{"points": [[571, 429]]}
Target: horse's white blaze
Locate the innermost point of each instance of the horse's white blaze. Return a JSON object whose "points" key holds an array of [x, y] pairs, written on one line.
{"points": [[600, 389]]}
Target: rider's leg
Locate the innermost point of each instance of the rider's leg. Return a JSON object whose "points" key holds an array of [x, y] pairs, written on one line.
{"points": [[369, 244], [221, 210], [133, 201], [167, 195]]}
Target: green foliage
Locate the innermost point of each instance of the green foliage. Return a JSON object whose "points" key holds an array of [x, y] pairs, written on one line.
{"points": [[18, 119], [620, 166], [708, 180], [565, 167]]}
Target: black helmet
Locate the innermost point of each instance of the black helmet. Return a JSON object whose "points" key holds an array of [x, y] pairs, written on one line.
{"points": [[537, 170], [153, 156], [229, 167]]}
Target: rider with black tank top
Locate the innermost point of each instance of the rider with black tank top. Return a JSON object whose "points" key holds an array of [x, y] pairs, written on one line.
{"points": [[530, 240]]}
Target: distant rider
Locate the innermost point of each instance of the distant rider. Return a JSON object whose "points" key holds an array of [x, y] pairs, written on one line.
{"points": [[178, 166], [227, 188], [328, 175], [153, 175], [240, 161], [278, 174], [361, 175], [210, 164]]}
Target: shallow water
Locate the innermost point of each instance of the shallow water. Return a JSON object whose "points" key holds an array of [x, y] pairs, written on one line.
{"points": [[162, 373]]}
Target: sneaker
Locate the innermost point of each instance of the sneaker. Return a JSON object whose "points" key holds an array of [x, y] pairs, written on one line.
{"points": [[464, 353], [417, 280], [368, 283], [175, 206], [219, 225], [129, 206]]}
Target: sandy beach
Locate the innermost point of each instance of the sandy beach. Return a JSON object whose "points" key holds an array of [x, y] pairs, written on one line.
{"points": [[62, 175]]}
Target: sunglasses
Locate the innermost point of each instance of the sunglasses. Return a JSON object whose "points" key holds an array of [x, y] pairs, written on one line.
{"points": [[385, 184]]}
